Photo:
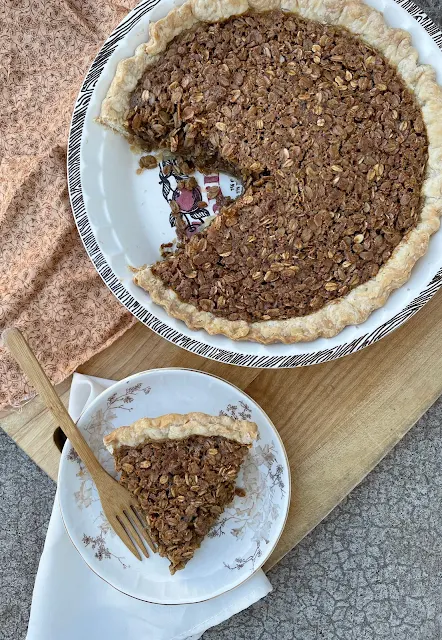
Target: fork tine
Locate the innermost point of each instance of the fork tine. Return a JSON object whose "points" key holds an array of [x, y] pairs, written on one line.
{"points": [[131, 527], [144, 532], [124, 536]]}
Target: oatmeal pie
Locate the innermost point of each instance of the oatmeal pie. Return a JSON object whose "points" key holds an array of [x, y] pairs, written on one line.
{"points": [[336, 132], [183, 470]]}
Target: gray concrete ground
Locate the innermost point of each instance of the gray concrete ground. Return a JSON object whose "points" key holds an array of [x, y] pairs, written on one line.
{"points": [[371, 571]]}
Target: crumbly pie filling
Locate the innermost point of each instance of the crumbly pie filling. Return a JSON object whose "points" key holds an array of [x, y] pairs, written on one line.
{"points": [[183, 469], [333, 124], [328, 139], [183, 487]]}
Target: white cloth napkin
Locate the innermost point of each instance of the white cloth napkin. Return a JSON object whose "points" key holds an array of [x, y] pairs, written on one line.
{"points": [[71, 602]]}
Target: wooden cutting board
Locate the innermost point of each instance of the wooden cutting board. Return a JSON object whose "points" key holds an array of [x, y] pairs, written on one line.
{"points": [[337, 420]]}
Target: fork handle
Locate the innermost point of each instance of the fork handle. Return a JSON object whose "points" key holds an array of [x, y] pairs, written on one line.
{"points": [[22, 352]]}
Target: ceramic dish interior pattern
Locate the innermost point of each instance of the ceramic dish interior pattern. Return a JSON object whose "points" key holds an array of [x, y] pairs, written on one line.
{"points": [[247, 531], [125, 225]]}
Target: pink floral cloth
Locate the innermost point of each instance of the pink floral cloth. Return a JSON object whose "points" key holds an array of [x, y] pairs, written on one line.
{"points": [[49, 288]]}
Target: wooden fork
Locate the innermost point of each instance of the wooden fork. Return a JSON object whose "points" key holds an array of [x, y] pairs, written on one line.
{"points": [[119, 507]]}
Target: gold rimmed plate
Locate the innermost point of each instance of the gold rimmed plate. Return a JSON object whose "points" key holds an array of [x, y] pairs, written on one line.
{"points": [[245, 534]]}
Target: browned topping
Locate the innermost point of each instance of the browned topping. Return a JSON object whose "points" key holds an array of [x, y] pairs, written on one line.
{"points": [[174, 206], [330, 144], [166, 249], [190, 184], [212, 192], [183, 486], [148, 162]]}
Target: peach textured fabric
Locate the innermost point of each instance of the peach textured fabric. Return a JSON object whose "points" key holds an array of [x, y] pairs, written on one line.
{"points": [[48, 288]]}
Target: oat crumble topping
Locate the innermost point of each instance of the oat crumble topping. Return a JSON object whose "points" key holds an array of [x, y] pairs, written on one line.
{"points": [[329, 142], [182, 486]]}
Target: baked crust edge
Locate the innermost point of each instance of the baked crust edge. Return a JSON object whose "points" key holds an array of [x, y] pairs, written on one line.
{"points": [[176, 426]]}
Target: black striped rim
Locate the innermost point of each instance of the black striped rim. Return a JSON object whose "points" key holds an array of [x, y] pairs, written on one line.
{"points": [[140, 312]]}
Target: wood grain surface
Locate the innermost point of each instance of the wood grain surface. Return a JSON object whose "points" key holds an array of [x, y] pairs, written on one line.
{"points": [[337, 420]]}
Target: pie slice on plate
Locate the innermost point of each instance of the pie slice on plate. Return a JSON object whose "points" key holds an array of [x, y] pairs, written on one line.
{"points": [[183, 470]]}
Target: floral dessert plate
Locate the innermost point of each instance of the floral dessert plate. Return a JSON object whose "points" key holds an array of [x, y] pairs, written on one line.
{"points": [[245, 534]]}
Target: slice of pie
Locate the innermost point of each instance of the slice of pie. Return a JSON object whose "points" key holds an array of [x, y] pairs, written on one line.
{"points": [[183, 470], [324, 113]]}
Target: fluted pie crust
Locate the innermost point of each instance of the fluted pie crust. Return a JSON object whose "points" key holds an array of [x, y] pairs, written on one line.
{"points": [[395, 45], [176, 426]]}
